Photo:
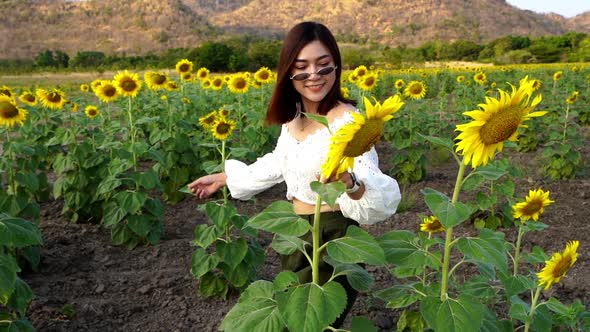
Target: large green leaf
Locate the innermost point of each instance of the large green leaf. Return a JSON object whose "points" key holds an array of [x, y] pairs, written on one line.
{"points": [[403, 248], [8, 270], [220, 214], [232, 252], [490, 172], [256, 310], [443, 142], [148, 180], [139, 224], [21, 297], [112, 214], [131, 201], [212, 285], [108, 185], [362, 324], [285, 279], [18, 233], [357, 246], [488, 248], [202, 262], [329, 192], [453, 315], [357, 277], [517, 284], [441, 206], [280, 218], [205, 235], [400, 296], [286, 245], [491, 323], [310, 307]]}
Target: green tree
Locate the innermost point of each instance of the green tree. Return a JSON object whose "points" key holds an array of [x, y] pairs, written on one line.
{"points": [[88, 59], [45, 59]]}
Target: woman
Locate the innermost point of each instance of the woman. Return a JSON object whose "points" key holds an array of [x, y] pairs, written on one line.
{"points": [[308, 82]]}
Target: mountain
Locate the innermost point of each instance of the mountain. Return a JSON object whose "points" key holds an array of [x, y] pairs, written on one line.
{"points": [[134, 27]]}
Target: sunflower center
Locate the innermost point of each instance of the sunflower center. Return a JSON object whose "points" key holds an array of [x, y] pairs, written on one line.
{"points": [[562, 266], [128, 85], [29, 97], [6, 92], [53, 97], [209, 119], [532, 207], [367, 136], [416, 89], [240, 84], [222, 128], [159, 79], [109, 91], [263, 75], [434, 225], [8, 110], [217, 82], [500, 126], [370, 81], [184, 67]]}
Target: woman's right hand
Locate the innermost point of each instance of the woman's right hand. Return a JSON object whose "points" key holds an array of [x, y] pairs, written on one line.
{"points": [[207, 185]]}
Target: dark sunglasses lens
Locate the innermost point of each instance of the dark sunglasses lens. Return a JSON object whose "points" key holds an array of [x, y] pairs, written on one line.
{"points": [[325, 71], [301, 77]]}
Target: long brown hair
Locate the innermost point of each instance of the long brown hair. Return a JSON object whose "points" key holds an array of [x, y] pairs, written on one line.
{"points": [[282, 107]]}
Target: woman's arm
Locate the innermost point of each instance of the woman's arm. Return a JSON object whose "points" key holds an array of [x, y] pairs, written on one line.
{"points": [[207, 185]]}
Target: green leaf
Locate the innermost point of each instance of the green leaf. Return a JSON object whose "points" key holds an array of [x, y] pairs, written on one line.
{"points": [[284, 280], [184, 189], [202, 262], [411, 321], [542, 320], [239, 275], [211, 285], [443, 142], [448, 213], [488, 248], [490, 172], [220, 214], [478, 286], [8, 270], [112, 214], [357, 246], [286, 245], [517, 284], [18, 233], [491, 323], [453, 315], [28, 180], [255, 311], [357, 277], [537, 256], [400, 296], [139, 224], [318, 118], [518, 309], [403, 248], [205, 235], [232, 253], [108, 185], [131, 201], [21, 297], [534, 226], [362, 324], [148, 180], [279, 218], [310, 307], [329, 192]]}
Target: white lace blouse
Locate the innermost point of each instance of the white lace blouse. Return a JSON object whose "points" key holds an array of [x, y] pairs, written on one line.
{"points": [[298, 162]]}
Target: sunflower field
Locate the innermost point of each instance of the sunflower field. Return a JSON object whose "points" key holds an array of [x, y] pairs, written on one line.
{"points": [[118, 152]]}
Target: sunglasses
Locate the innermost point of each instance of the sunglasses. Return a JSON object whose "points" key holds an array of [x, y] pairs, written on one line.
{"points": [[321, 72]]}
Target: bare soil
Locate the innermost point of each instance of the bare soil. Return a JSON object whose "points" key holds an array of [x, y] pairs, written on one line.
{"points": [[84, 283]]}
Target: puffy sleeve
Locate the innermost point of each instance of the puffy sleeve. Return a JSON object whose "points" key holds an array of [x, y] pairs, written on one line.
{"points": [[381, 196], [245, 181]]}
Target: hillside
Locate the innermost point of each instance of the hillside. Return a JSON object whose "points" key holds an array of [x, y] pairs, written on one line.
{"points": [[142, 26]]}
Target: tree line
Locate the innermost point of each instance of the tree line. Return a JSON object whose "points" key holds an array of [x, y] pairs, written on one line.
{"points": [[250, 53]]}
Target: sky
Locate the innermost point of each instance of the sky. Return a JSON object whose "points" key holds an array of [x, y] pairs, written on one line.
{"points": [[567, 8]]}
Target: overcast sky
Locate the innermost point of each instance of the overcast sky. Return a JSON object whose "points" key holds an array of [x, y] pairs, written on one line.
{"points": [[567, 8]]}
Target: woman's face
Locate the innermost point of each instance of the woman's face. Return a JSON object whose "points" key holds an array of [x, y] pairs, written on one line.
{"points": [[312, 58]]}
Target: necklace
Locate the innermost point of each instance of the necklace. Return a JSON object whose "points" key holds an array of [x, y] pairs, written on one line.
{"points": [[302, 125]]}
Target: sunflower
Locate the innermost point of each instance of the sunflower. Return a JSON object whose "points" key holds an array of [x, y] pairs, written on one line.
{"points": [[263, 75], [54, 99], [431, 225], [498, 120], [6, 91], [28, 98], [206, 84], [493, 85], [460, 79], [106, 92], [186, 100], [415, 90], [360, 71], [217, 83], [202, 73], [97, 82], [184, 66], [73, 106], [155, 80], [238, 83], [572, 99], [399, 84], [535, 204], [537, 85], [223, 113], [352, 78], [359, 136], [368, 82], [91, 111], [127, 84], [208, 120], [222, 128], [558, 75], [187, 77], [558, 266], [345, 92], [172, 86], [480, 78], [10, 114]]}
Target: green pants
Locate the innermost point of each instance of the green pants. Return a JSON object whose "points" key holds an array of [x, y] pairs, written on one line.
{"points": [[333, 225]]}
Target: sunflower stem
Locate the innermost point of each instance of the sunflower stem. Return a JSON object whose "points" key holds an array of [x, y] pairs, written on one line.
{"points": [[527, 325], [517, 249], [449, 236], [315, 267], [564, 135], [11, 181], [225, 200], [132, 135]]}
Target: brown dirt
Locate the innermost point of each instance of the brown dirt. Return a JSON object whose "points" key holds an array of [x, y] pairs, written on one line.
{"points": [[150, 288]]}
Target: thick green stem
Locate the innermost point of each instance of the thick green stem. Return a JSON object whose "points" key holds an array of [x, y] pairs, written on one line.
{"points": [[528, 322], [564, 135], [11, 180], [517, 250], [225, 199], [449, 236], [315, 232], [132, 135]]}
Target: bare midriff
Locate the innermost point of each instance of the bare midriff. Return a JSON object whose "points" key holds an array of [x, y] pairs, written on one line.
{"points": [[305, 208]]}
